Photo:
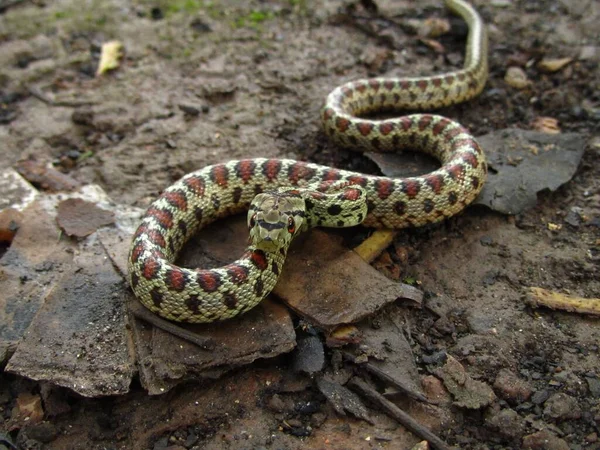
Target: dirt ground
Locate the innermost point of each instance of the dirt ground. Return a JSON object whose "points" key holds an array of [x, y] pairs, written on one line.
{"points": [[207, 81]]}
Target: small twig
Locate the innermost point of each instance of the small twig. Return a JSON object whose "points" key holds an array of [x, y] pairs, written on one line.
{"points": [[206, 343], [388, 379], [37, 93], [396, 413]]}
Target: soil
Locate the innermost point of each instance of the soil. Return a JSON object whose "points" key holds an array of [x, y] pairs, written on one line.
{"points": [[203, 82]]}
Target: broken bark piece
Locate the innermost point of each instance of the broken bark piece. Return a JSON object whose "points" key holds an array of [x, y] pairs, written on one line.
{"points": [[329, 285], [81, 218], [167, 360], [467, 392], [343, 400], [78, 338], [29, 268], [537, 297], [396, 413], [44, 177], [523, 163]]}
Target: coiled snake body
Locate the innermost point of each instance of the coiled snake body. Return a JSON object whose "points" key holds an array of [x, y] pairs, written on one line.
{"points": [[294, 196]]}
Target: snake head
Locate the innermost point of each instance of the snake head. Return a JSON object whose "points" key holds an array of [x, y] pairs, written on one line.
{"points": [[275, 219]]}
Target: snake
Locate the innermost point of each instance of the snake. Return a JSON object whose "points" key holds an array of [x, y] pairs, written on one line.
{"points": [[285, 197]]}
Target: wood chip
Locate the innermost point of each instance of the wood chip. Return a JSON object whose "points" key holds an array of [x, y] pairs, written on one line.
{"points": [[537, 297]]}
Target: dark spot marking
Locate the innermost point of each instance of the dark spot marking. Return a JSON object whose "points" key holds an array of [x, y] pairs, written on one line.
{"points": [[334, 210], [428, 205], [400, 208], [275, 268], [258, 287], [193, 303], [230, 300], [157, 297], [452, 198], [237, 194]]}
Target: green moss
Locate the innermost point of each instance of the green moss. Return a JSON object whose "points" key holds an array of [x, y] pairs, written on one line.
{"points": [[254, 19]]}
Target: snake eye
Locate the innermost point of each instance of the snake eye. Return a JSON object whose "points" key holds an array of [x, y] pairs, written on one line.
{"points": [[253, 220], [291, 225]]}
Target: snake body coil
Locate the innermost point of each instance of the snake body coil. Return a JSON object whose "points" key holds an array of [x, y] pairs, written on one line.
{"points": [[294, 196]]}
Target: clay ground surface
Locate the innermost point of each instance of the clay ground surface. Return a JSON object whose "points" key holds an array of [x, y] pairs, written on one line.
{"points": [[207, 81]]}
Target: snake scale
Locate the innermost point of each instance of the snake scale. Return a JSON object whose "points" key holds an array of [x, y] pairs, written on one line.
{"points": [[285, 197]]}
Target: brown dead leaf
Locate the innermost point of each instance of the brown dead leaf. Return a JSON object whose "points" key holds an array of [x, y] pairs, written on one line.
{"points": [[80, 218]]}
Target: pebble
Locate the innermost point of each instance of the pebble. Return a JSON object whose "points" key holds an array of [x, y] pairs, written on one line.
{"points": [[507, 422], [544, 440], [517, 78], [540, 397], [512, 388], [562, 407], [594, 386]]}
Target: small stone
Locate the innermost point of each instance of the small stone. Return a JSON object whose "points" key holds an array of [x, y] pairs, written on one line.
{"points": [[574, 217], [512, 388], [594, 386], [517, 78], [507, 422], [486, 241], [544, 440], [589, 52], [190, 110], [540, 397], [562, 407]]}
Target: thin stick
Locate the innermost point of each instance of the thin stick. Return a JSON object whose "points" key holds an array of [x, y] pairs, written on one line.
{"points": [[142, 313], [396, 413], [387, 378]]}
